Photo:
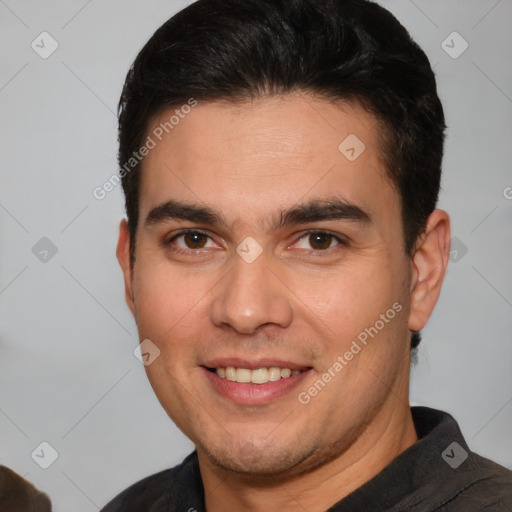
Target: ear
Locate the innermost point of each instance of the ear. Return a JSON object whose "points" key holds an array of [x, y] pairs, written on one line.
{"points": [[123, 256], [429, 265]]}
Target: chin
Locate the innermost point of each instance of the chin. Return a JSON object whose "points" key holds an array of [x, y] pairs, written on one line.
{"points": [[259, 460], [251, 457]]}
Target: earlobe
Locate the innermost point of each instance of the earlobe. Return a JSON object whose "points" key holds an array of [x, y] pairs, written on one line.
{"points": [[429, 265], [123, 256]]}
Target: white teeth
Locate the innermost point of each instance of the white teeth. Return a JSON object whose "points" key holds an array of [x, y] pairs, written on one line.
{"points": [[231, 373], [243, 375], [258, 376], [274, 374]]}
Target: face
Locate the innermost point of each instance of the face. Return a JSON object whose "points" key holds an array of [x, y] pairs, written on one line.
{"points": [[270, 273]]}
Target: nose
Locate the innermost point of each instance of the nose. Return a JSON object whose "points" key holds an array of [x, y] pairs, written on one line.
{"points": [[250, 296]]}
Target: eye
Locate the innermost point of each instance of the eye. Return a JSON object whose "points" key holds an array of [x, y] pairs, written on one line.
{"points": [[190, 240], [319, 241]]}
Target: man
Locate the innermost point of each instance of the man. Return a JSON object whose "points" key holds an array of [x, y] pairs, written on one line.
{"points": [[281, 164]]}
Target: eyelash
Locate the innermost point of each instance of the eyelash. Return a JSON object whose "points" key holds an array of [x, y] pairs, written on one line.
{"points": [[338, 239]]}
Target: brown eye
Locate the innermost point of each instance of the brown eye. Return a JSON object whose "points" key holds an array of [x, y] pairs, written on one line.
{"points": [[190, 241], [194, 240], [320, 241]]}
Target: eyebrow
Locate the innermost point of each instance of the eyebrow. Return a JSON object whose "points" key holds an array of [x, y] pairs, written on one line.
{"points": [[313, 211]]}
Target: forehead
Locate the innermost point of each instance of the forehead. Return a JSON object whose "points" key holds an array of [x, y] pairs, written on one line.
{"points": [[254, 156]]}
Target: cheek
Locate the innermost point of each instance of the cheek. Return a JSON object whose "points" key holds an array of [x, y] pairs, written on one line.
{"points": [[167, 301], [350, 300]]}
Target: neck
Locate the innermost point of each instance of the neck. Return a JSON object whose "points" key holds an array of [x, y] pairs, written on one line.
{"points": [[391, 432]]}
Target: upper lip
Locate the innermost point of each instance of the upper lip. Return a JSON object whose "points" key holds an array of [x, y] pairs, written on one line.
{"points": [[253, 364]]}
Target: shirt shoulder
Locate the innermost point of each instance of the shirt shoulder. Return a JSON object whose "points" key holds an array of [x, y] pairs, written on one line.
{"points": [[485, 486], [456, 477], [438, 473], [172, 490]]}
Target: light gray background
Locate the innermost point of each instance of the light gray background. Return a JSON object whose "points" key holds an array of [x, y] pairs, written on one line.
{"points": [[68, 375]]}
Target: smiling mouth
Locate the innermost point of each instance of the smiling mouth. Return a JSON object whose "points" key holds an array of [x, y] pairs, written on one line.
{"points": [[256, 376]]}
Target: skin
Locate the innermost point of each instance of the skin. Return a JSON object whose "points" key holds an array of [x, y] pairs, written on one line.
{"points": [[304, 299]]}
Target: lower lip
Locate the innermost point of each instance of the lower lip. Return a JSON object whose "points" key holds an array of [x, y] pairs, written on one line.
{"points": [[254, 394]]}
